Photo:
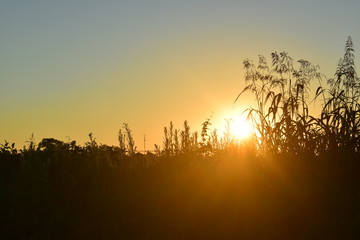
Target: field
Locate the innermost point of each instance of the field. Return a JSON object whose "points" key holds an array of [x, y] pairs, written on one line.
{"points": [[298, 177]]}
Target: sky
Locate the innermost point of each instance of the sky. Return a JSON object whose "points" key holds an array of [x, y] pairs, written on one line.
{"points": [[68, 68]]}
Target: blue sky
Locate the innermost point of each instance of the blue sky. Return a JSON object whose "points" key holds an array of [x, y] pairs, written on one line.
{"points": [[68, 68]]}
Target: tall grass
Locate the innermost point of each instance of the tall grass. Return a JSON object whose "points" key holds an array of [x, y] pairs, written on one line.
{"points": [[296, 178], [282, 117]]}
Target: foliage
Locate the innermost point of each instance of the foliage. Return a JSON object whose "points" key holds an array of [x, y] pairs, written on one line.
{"points": [[297, 178], [282, 116], [62, 190]]}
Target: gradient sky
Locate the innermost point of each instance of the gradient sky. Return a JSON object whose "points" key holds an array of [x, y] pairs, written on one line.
{"points": [[68, 68]]}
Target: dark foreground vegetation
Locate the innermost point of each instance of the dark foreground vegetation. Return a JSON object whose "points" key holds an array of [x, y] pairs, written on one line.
{"points": [[298, 178], [79, 193]]}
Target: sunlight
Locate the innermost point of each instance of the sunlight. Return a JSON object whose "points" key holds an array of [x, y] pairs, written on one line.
{"points": [[241, 128], [233, 123]]}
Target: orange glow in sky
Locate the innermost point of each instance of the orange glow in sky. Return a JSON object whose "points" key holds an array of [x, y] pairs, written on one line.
{"points": [[71, 68]]}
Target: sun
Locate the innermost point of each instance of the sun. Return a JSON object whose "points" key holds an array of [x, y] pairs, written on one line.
{"points": [[236, 125], [241, 128]]}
